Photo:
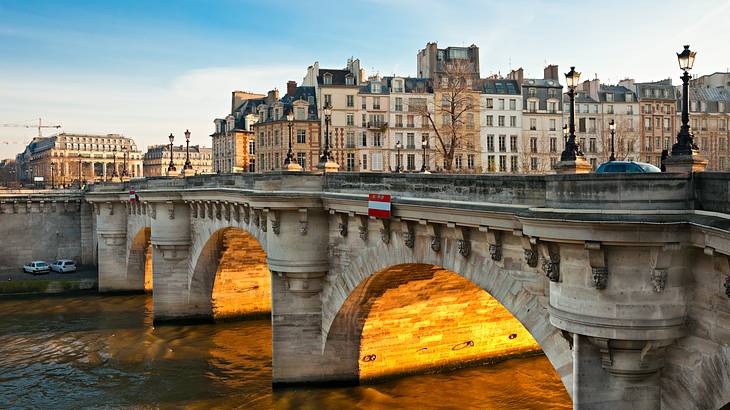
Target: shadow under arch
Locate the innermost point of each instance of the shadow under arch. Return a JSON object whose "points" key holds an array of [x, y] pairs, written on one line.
{"points": [[139, 260], [345, 302], [231, 278]]}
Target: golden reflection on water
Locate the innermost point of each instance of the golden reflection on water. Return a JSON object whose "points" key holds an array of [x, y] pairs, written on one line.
{"points": [[92, 351]]}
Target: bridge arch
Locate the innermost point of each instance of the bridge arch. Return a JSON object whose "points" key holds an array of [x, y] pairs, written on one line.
{"points": [[230, 276], [421, 274]]}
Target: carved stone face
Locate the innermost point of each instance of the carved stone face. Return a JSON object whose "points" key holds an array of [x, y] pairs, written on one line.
{"points": [[385, 236], [659, 279], [343, 229], [495, 251], [552, 270], [727, 285], [600, 278], [409, 239], [531, 258], [436, 244], [464, 247]]}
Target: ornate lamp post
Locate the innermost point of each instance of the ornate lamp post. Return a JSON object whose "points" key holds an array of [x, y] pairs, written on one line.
{"points": [[685, 140], [187, 165], [171, 167], [124, 159], [398, 146], [572, 150], [114, 162], [326, 161], [424, 167], [290, 164], [53, 173], [565, 135], [612, 127]]}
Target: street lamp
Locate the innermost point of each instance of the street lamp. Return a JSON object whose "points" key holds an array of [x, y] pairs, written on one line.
{"points": [[53, 168], [572, 150], [171, 167], [114, 162], [612, 127], [424, 145], [565, 136], [290, 164], [685, 140], [398, 146], [326, 154], [124, 158], [187, 165]]}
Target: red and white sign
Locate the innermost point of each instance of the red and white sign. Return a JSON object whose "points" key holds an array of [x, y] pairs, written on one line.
{"points": [[379, 205], [132, 196]]}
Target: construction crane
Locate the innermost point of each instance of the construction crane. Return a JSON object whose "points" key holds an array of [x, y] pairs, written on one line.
{"points": [[40, 126]]}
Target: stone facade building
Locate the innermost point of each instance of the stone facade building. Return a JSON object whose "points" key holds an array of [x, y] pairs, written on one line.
{"points": [[79, 158], [542, 119], [339, 88], [233, 141], [658, 102], [501, 125], [271, 130], [157, 159], [405, 124], [709, 116]]}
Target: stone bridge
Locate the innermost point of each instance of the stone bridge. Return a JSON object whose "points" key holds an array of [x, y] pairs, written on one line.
{"points": [[621, 280]]}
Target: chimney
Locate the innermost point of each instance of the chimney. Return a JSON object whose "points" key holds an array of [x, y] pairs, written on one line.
{"points": [[516, 75], [551, 72], [272, 96], [291, 88]]}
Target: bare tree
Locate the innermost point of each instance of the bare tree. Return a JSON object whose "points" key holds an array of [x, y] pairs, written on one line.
{"points": [[450, 118]]}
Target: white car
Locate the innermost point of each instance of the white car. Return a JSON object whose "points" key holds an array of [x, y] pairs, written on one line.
{"points": [[36, 267], [63, 266]]}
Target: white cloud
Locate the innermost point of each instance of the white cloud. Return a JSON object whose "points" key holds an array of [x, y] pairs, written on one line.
{"points": [[145, 111]]}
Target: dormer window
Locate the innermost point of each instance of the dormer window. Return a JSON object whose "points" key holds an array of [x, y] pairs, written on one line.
{"points": [[609, 97], [629, 97], [375, 88], [327, 78], [398, 86], [349, 80]]}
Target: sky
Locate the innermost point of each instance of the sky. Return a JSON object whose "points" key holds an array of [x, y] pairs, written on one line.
{"points": [[146, 69]]}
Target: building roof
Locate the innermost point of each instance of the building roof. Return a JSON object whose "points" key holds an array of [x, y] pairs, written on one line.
{"points": [[501, 86], [619, 93], [338, 76], [541, 82], [656, 90]]}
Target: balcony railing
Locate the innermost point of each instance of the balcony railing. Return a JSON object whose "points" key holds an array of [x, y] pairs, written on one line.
{"points": [[377, 124]]}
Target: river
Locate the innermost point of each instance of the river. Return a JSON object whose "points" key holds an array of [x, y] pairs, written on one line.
{"points": [[102, 351]]}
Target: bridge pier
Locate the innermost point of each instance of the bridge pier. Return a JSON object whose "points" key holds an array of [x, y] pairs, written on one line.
{"points": [[111, 222]]}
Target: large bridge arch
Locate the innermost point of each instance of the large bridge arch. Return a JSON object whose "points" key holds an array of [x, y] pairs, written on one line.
{"points": [[139, 259], [230, 276], [522, 293]]}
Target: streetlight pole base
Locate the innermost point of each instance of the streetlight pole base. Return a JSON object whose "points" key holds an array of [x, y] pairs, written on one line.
{"points": [[685, 163], [293, 166], [172, 173], [577, 166], [329, 166], [187, 172]]}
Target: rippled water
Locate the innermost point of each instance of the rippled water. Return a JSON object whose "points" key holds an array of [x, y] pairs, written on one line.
{"points": [[102, 351]]}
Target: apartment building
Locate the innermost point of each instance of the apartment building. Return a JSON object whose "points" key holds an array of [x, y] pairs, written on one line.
{"points": [[501, 126], [709, 116], [409, 97], [372, 118], [542, 119], [619, 104], [271, 129], [658, 108], [233, 140], [157, 159]]}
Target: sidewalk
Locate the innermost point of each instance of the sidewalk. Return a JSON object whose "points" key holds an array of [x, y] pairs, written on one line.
{"points": [[18, 282]]}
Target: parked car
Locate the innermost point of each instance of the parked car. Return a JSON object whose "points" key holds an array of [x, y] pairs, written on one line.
{"points": [[36, 267], [626, 166], [63, 266]]}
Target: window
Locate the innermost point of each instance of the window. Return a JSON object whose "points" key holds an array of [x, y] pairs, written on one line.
{"points": [[409, 122], [350, 162], [647, 124], [629, 97], [327, 78], [398, 86], [276, 161], [410, 140], [609, 108], [364, 119], [377, 161], [301, 136], [350, 100], [470, 161], [350, 80], [513, 143], [399, 121], [552, 107], [513, 121], [363, 103], [350, 119], [350, 139], [532, 106], [533, 163], [500, 121], [364, 139], [591, 125], [502, 143], [376, 103], [411, 162], [328, 100], [490, 103], [376, 139], [512, 104], [668, 127], [657, 143], [490, 143], [553, 144], [552, 92], [502, 163], [398, 104], [470, 120], [533, 145], [533, 124], [552, 125], [592, 145], [364, 161], [490, 120], [630, 109], [302, 160], [375, 88], [490, 163], [458, 161], [300, 114], [531, 91], [500, 104]]}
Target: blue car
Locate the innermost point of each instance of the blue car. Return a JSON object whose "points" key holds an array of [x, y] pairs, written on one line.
{"points": [[626, 166]]}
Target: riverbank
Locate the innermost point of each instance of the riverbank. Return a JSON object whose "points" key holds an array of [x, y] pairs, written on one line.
{"points": [[21, 283]]}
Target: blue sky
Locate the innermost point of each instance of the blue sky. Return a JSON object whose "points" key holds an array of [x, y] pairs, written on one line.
{"points": [[148, 68]]}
